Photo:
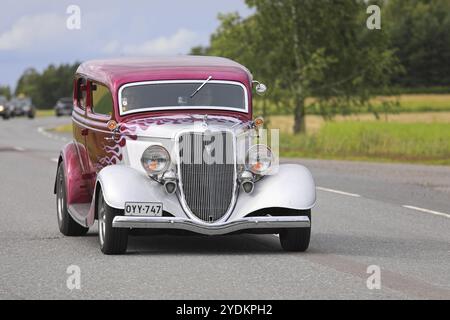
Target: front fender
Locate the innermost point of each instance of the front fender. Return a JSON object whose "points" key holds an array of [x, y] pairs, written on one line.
{"points": [[291, 187], [120, 184]]}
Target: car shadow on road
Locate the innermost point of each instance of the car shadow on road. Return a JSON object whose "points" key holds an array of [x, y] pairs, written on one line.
{"points": [[203, 245]]}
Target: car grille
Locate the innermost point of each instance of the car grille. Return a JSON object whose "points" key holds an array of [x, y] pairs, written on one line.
{"points": [[207, 177]]}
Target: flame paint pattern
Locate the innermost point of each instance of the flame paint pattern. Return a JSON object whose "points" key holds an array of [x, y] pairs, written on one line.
{"points": [[133, 128]]}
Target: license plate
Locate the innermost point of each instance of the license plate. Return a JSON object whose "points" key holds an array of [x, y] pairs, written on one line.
{"points": [[151, 209]]}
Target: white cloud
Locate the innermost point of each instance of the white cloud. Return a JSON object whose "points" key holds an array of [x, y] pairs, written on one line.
{"points": [[112, 47], [179, 42], [33, 31]]}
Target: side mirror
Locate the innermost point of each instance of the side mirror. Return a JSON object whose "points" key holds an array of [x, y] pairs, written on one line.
{"points": [[260, 88]]}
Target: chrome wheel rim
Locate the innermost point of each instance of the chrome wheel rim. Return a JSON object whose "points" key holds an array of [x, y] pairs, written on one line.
{"points": [[101, 220]]}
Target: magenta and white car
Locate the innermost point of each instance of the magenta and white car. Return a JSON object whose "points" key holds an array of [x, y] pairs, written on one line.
{"points": [[170, 145]]}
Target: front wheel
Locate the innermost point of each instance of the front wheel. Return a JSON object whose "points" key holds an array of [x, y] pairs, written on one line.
{"points": [[296, 239], [112, 240]]}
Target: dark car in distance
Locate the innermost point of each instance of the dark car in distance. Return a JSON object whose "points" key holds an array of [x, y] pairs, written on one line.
{"points": [[23, 106], [64, 107]]}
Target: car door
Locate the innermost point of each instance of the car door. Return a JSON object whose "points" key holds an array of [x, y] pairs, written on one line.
{"points": [[101, 146], [79, 123]]}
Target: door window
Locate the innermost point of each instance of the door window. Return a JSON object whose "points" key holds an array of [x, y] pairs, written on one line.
{"points": [[81, 93], [102, 102]]}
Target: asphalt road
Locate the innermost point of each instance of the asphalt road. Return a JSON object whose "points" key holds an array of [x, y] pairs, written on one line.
{"points": [[360, 220]]}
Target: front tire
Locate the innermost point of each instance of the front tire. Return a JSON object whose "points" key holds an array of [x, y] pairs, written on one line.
{"points": [[296, 239], [112, 240], [67, 225]]}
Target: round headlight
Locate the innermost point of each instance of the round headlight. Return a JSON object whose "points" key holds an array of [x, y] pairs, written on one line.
{"points": [[259, 159], [155, 160]]}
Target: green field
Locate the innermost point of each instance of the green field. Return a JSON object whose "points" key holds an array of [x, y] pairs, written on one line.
{"points": [[380, 141], [418, 102], [406, 103]]}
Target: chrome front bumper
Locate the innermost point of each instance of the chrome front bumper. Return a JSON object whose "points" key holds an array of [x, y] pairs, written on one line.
{"points": [[213, 229]]}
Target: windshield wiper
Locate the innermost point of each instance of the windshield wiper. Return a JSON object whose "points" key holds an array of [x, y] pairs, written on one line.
{"points": [[201, 86]]}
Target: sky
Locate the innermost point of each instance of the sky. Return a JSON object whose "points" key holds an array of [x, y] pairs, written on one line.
{"points": [[34, 33]]}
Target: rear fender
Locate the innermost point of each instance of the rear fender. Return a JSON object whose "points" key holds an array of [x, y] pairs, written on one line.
{"points": [[77, 189]]}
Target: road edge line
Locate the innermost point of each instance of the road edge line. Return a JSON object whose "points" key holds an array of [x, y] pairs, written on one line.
{"points": [[437, 213], [339, 192]]}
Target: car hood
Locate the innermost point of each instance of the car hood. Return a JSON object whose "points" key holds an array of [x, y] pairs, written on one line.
{"points": [[167, 127]]}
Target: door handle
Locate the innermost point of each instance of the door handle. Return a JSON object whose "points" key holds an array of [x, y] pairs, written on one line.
{"points": [[113, 137]]}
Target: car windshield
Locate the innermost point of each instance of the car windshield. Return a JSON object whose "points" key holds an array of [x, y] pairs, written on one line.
{"points": [[177, 95]]}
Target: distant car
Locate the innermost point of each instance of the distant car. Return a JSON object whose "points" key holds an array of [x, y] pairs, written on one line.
{"points": [[64, 107], [5, 108], [168, 144], [23, 107]]}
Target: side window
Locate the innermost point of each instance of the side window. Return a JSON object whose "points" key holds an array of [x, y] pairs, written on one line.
{"points": [[81, 92], [102, 102]]}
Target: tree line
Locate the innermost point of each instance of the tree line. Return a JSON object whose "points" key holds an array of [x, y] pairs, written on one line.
{"points": [[46, 87], [323, 49]]}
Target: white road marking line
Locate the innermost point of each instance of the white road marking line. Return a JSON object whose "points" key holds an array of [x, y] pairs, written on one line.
{"points": [[54, 159], [45, 133], [19, 149], [437, 213], [338, 192]]}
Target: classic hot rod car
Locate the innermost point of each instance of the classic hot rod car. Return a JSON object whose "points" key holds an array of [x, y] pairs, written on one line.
{"points": [[168, 145]]}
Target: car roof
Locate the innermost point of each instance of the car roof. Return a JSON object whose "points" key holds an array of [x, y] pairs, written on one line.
{"points": [[116, 72]]}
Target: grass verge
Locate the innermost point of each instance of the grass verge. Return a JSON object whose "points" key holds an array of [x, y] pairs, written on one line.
{"points": [[427, 143], [66, 128]]}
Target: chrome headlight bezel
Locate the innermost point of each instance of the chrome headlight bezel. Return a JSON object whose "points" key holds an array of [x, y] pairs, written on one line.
{"points": [[155, 160], [259, 159]]}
